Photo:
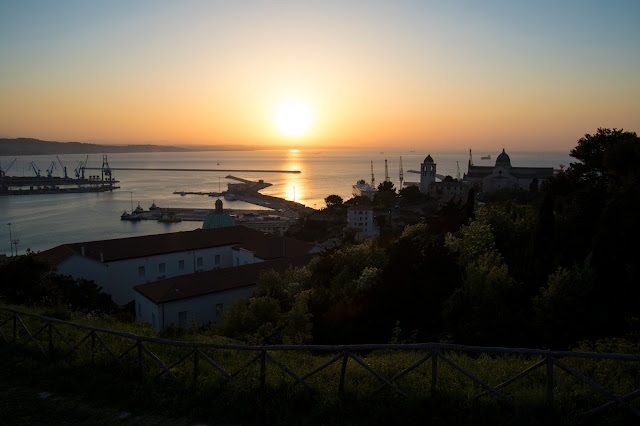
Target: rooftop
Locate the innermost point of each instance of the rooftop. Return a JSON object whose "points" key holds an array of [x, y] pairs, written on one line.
{"points": [[265, 246], [208, 282]]}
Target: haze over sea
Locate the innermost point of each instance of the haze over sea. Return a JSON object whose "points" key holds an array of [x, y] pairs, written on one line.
{"points": [[40, 222]]}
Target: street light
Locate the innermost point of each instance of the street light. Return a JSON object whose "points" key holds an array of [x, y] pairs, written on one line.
{"points": [[10, 239]]}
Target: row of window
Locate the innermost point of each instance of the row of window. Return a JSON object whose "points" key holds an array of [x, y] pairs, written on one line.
{"points": [[162, 267]]}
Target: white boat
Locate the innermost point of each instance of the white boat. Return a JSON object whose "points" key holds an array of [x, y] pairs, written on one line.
{"points": [[153, 206], [488, 157], [138, 209]]}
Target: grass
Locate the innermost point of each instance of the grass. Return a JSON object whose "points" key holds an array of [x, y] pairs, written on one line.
{"points": [[92, 389]]}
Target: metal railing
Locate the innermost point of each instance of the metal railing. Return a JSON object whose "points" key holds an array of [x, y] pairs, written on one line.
{"points": [[50, 340]]}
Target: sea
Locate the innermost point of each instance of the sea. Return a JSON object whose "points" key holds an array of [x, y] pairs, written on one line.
{"points": [[39, 222]]}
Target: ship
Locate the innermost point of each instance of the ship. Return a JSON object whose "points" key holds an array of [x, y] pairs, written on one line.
{"points": [[487, 157]]}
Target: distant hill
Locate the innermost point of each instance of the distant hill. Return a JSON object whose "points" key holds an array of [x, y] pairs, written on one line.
{"points": [[29, 146]]}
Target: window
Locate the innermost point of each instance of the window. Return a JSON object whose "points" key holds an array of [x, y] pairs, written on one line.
{"points": [[182, 318], [217, 260], [199, 262], [141, 272], [161, 267], [219, 311], [181, 265]]}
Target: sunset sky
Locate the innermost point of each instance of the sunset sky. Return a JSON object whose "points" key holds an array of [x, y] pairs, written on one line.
{"points": [[534, 75]]}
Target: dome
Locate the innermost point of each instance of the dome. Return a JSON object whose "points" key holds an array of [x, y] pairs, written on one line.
{"points": [[428, 159], [218, 219], [503, 158]]}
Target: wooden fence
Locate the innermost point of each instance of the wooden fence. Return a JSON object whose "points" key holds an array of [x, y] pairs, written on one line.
{"points": [[196, 361]]}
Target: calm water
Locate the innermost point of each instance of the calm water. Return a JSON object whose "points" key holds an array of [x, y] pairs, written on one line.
{"points": [[44, 221]]}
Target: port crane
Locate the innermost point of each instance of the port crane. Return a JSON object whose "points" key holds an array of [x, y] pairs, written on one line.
{"points": [[106, 170], [63, 167], [50, 170], [386, 172], [79, 170], [373, 179], [36, 170], [3, 172]]}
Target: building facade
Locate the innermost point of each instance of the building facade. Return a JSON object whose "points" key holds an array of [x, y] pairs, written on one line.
{"points": [[504, 176], [119, 265]]}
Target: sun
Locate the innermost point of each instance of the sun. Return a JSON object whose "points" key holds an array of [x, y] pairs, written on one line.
{"points": [[293, 119]]}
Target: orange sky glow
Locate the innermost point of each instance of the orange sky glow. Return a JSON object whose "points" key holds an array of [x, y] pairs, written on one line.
{"points": [[372, 74]]}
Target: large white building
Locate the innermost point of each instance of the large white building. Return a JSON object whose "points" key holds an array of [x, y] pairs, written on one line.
{"points": [[504, 176], [202, 297], [360, 219], [119, 265]]}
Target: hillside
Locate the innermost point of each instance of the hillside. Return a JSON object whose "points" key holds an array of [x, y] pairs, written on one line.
{"points": [[29, 146]]}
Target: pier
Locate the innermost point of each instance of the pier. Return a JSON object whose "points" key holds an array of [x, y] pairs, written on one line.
{"points": [[195, 170]]}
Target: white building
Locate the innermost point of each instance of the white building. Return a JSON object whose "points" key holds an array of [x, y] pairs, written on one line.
{"points": [[202, 297], [427, 174], [360, 218], [504, 176], [363, 189], [119, 265]]}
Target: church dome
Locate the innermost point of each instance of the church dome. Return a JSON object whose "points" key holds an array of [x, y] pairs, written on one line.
{"points": [[218, 219], [503, 158], [428, 159]]}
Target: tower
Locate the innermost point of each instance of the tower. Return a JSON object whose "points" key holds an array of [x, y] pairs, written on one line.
{"points": [[427, 174]]}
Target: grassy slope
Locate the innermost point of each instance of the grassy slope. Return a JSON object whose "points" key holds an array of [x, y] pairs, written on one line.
{"points": [[86, 393]]}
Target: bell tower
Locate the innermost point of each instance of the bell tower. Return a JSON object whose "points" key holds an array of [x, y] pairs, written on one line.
{"points": [[427, 174]]}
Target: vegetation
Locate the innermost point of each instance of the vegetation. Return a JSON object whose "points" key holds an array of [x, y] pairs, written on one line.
{"points": [[554, 268], [27, 280], [91, 388], [531, 268]]}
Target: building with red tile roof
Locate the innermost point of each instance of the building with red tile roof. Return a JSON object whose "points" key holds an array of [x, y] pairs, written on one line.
{"points": [[118, 265]]}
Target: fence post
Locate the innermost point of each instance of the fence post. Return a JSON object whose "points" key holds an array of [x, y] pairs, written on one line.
{"points": [[140, 360], [550, 380], [343, 372], [434, 368], [263, 368], [196, 358], [50, 338], [93, 346]]}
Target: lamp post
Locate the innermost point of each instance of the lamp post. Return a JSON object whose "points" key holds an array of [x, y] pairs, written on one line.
{"points": [[10, 239]]}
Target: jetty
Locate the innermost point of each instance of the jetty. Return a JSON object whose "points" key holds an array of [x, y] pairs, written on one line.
{"points": [[196, 170]]}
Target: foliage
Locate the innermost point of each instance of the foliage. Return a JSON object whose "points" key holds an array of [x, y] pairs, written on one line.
{"points": [[564, 308], [333, 201], [28, 280]]}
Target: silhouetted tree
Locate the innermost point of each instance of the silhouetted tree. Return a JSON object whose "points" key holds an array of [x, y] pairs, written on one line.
{"points": [[333, 201]]}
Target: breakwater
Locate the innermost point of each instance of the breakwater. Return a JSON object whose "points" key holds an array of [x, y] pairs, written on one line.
{"points": [[195, 170]]}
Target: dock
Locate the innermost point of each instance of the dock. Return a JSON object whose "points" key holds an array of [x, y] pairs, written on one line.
{"points": [[195, 170]]}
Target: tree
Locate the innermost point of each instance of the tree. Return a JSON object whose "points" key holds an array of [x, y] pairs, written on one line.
{"points": [[387, 186], [333, 201], [386, 194], [412, 194], [610, 157]]}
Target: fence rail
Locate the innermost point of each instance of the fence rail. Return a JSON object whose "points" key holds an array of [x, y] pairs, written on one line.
{"points": [[199, 359]]}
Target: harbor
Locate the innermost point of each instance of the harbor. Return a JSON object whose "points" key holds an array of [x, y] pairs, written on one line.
{"points": [[50, 184]]}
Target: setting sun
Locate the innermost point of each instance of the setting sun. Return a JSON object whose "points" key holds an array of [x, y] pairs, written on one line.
{"points": [[293, 119]]}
